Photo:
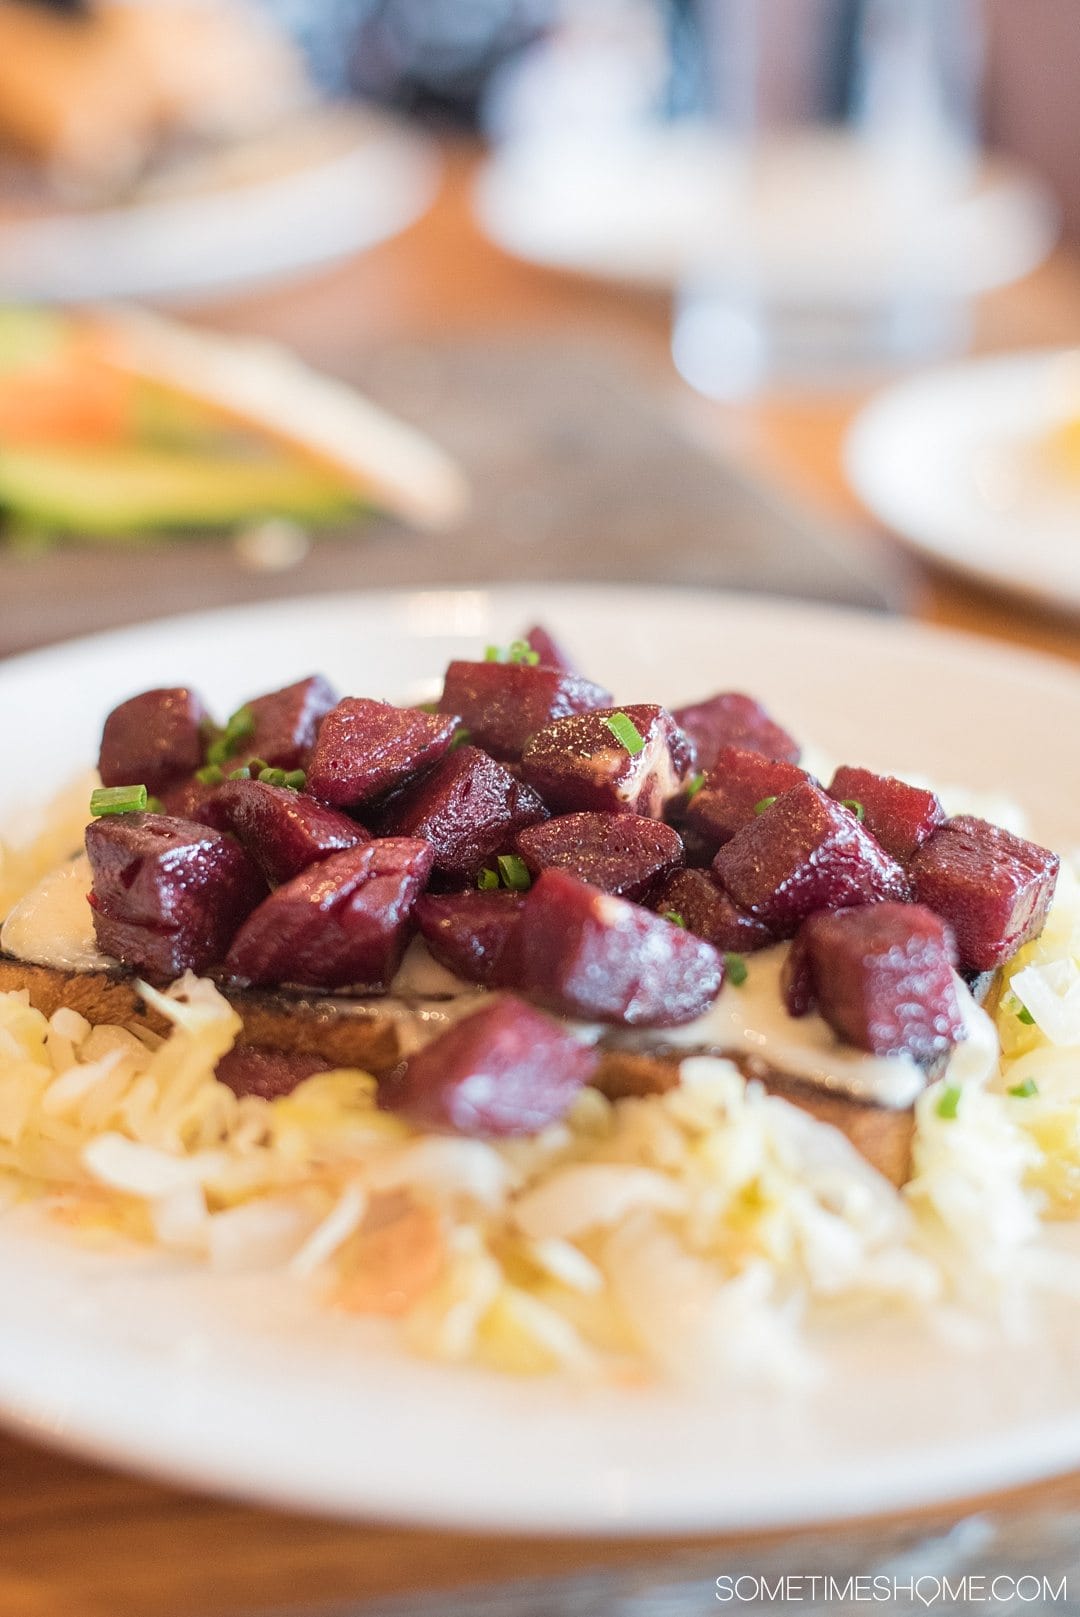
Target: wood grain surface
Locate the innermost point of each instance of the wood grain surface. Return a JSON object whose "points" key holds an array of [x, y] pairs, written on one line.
{"points": [[78, 1540]]}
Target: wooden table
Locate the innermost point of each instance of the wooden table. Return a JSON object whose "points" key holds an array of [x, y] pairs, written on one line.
{"points": [[80, 1541]]}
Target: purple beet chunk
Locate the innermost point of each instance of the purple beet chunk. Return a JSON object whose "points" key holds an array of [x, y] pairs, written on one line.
{"points": [[805, 853], [468, 807], [343, 923], [734, 720], [738, 781], [283, 831], [583, 953], [503, 704], [705, 909], [994, 889], [366, 749], [255, 1069], [580, 764], [623, 854], [881, 976], [286, 724], [899, 816], [471, 933], [167, 894], [548, 649], [152, 740], [506, 1069]]}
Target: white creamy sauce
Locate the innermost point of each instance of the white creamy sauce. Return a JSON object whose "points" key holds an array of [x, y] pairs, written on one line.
{"points": [[52, 926]]}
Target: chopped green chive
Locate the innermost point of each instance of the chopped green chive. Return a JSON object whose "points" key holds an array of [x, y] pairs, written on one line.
{"points": [[694, 785], [487, 880], [154, 805], [514, 872], [1023, 1091], [518, 651], [493, 654], [626, 732], [210, 775], [241, 725], [763, 803], [735, 969], [949, 1102], [1025, 1016], [243, 773], [272, 777], [855, 806], [461, 737], [426, 707], [118, 800], [296, 779], [674, 917]]}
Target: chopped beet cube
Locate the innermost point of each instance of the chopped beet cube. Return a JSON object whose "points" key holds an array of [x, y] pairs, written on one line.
{"points": [[506, 1069], [503, 704], [734, 720], [167, 894], [583, 953], [255, 1069], [631, 760], [804, 853], [705, 909], [286, 724], [366, 749], [187, 800], [342, 923], [152, 740], [468, 807], [282, 830], [881, 976], [472, 933], [993, 888], [738, 781], [548, 649], [624, 854], [899, 816]]}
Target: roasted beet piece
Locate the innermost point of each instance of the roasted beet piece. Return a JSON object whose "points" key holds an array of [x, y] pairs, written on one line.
{"points": [[738, 781], [624, 854], [899, 816], [342, 923], [582, 764], [548, 649], [583, 953], [167, 894], [506, 1069], [255, 1069], [881, 976], [804, 853], [286, 723], [993, 888], [734, 720], [503, 704], [152, 740], [282, 830], [471, 933], [468, 807], [366, 749], [704, 908]]}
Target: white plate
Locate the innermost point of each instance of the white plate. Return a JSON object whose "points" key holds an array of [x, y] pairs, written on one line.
{"points": [[367, 187], [952, 461], [240, 1385]]}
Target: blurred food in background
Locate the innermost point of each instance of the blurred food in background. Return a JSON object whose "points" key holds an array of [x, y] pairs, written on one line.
{"points": [[115, 423]]}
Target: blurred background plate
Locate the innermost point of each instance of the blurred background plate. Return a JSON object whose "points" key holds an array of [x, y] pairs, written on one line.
{"points": [[328, 182], [977, 465]]}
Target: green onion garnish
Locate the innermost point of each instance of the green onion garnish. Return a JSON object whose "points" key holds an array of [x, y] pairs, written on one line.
{"points": [[1023, 1091], [243, 773], [763, 803], [518, 651], [241, 725], [626, 732], [154, 805], [735, 969], [514, 872], [210, 775], [855, 806], [118, 800], [273, 777], [950, 1100], [1025, 1016], [461, 737], [487, 880], [674, 917], [694, 785], [296, 779]]}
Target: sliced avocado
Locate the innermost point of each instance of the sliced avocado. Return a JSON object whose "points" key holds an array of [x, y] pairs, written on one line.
{"points": [[98, 491]]}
